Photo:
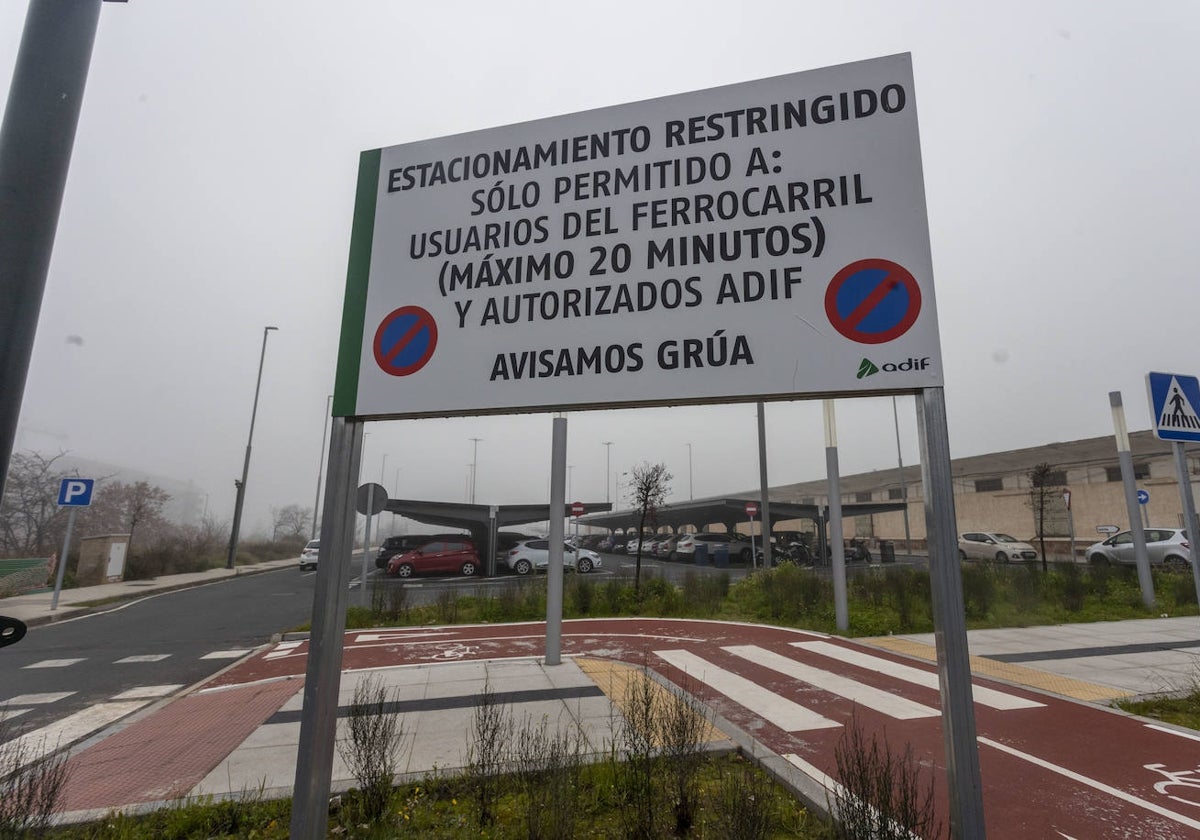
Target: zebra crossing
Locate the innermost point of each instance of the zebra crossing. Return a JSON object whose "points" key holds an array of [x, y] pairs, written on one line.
{"points": [[837, 675], [76, 725]]}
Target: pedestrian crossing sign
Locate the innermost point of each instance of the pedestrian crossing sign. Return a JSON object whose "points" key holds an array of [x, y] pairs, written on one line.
{"points": [[1174, 400]]}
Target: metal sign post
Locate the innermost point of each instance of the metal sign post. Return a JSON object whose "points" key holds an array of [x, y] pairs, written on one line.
{"points": [[1070, 522], [1175, 407], [1125, 458], [751, 512], [554, 572], [73, 493], [837, 547], [765, 497], [1189, 510], [949, 621], [318, 719]]}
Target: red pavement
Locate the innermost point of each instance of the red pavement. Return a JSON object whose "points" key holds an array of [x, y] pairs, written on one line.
{"points": [[1060, 770], [165, 755]]}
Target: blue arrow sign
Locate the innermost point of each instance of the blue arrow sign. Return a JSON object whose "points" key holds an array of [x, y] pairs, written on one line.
{"points": [[1143, 497], [1174, 402]]}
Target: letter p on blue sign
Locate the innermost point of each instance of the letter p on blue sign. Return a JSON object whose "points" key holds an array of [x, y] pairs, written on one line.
{"points": [[75, 492]]}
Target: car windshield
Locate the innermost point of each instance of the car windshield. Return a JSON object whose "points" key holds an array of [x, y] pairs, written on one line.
{"points": [[313, 544], [1005, 538]]}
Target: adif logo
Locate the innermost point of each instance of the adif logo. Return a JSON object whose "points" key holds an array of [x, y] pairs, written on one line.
{"points": [[868, 368]]}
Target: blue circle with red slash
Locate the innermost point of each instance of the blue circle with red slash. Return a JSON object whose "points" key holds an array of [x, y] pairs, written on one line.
{"points": [[405, 340], [872, 301]]}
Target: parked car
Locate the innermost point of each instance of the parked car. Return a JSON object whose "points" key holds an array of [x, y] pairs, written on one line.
{"points": [[534, 555], [739, 547], [1164, 547], [308, 557], [991, 545], [445, 556], [392, 546], [506, 541], [663, 548]]}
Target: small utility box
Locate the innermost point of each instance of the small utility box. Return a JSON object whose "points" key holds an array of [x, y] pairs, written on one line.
{"points": [[102, 559]]}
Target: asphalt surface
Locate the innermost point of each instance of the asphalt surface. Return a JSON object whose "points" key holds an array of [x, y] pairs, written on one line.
{"points": [[167, 640]]}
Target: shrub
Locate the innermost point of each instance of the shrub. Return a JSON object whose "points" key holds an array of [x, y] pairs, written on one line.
{"points": [[32, 780], [490, 735], [979, 590], [376, 733]]}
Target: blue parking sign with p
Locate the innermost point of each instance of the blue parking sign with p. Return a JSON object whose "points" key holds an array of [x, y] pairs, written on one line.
{"points": [[75, 492]]}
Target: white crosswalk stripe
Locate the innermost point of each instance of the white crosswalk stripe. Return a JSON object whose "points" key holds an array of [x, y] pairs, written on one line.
{"points": [[916, 676], [36, 699], [227, 654], [147, 691], [147, 657], [862, 694], [55, 663], [787, 715]]}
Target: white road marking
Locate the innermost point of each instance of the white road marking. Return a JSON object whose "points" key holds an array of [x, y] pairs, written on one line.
{"points": [[147, 691], [788, 716], [881, 701], [1092, 783], [38, 699], [397, 636], [54, 663], [1148, 726], [282, 649], [146, 657], [907, 673], [228, 654], [70, 729], [7, 713]]}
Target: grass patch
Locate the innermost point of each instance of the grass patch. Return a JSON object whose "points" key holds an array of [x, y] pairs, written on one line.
{"points": [[1181, 708]]}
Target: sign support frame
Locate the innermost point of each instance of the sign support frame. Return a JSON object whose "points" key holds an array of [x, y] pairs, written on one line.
{"points": [[322, 679], [554, 572], [764, 507], [949, 621], [836, 545], [1132, 506], [1189, 507]]}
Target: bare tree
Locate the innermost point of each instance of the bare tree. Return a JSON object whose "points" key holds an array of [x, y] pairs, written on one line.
{"points": [[1043, 493], [651, 484], [124, 508], [289, 522], [31, 522]]}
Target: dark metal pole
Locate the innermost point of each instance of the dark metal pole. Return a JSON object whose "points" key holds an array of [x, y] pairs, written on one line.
{"points": [[764, 492], [36, 139], [241, 485]]}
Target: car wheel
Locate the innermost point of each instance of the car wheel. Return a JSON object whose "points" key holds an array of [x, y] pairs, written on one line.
{"points": [[304, 567], [585, 565], [1175, 562], [1001, 557], [962, 555], [404, 570], [674, 555], [746, 555], [468, 569], [1098, 560], [523, 567]]}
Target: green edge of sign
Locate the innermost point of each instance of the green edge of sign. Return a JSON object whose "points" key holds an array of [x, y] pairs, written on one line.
{"points": [[362, 234]]}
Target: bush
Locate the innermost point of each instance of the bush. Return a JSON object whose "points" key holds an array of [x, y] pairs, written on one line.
{"points": [[376, 733], [979, 590]]}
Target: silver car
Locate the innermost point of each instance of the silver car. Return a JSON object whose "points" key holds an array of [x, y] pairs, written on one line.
{"points": [[534, 555], [1164, 547], [991, 545]]}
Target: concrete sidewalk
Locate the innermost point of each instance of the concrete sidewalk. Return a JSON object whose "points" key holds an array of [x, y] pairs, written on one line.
{"points": [[34, 607]]}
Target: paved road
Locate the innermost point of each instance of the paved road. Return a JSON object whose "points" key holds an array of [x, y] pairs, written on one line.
{"points": [[97, 669], [1051, 768]]}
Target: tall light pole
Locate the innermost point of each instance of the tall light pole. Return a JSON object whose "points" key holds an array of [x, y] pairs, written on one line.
{"points": [[474, 464], [241, 485], [607, 470], [691, 495], [903, 484], [321, 463]]}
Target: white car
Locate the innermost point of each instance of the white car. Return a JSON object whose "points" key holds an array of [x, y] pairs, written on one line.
{"points": [[1164, 547], [308, 557], [990, 545], [534, 555]]}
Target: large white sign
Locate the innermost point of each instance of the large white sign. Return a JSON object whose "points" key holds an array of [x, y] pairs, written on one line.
{"points": [[756, 241]]}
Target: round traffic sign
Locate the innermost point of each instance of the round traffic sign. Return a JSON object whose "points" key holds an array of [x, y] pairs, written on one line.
{"points": [[752, 509], [405, 340], [1143, 497], [376, 494], [872, 301], [577, 508]]}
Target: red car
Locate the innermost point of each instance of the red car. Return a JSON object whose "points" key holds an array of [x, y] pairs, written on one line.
{"points": [[444, 555]]}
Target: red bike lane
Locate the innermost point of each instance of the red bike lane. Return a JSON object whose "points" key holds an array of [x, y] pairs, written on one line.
{"points": [[1050, 767]]}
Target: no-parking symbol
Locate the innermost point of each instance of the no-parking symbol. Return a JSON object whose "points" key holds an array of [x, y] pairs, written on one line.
{"points": [[872, 301], [405, 340]]}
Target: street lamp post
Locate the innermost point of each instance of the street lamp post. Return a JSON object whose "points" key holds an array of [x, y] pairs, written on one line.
{"points": [[607, 470], [321, 463], [241, 485], [691, 495], [474, 465]]}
